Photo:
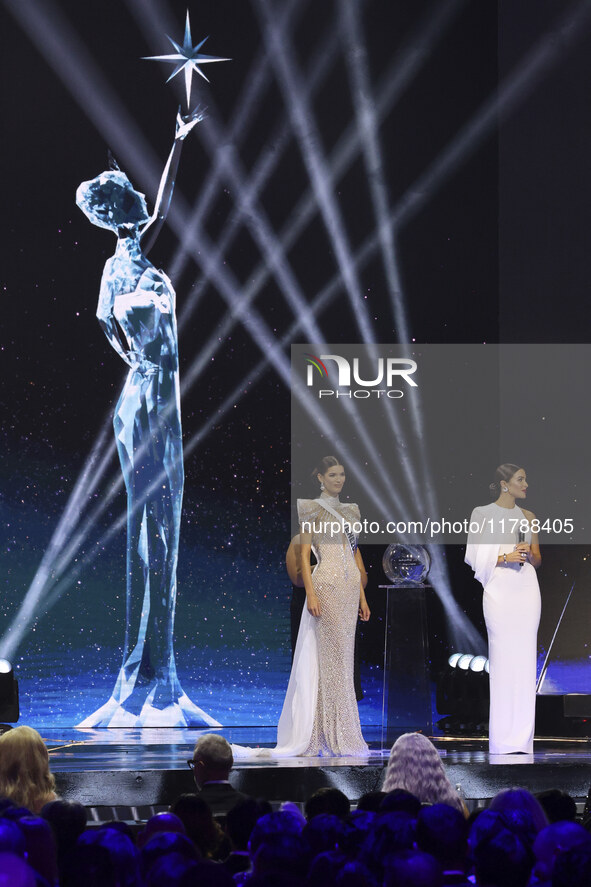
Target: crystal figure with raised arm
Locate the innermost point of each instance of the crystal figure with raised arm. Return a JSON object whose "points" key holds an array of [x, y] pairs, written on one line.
{"points": [[136, 310]]}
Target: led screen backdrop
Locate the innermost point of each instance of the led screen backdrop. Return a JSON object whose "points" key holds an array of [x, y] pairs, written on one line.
{"points": [[402, 171]]}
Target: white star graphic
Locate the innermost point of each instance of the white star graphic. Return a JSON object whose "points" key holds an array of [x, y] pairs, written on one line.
{"points": [[188, 57]]}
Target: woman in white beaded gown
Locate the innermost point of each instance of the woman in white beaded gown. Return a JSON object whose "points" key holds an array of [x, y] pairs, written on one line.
{"points": [[320, 715], [504, 554]]}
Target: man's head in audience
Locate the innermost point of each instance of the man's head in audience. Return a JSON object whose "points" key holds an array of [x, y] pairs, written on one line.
{"points": [[213, 759]]}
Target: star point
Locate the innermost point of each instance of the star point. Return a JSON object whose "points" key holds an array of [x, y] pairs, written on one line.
{"points": [[187, 58]]}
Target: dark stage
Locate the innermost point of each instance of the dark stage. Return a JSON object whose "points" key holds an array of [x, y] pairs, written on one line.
{"points": [[130, 774]]}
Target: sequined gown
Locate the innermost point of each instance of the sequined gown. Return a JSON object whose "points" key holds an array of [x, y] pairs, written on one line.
{"points": [[320, 715]]}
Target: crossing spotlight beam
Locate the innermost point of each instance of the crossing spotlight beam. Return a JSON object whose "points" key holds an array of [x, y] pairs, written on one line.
{"points": [[53, 591], [317, 300], [292, 85]]}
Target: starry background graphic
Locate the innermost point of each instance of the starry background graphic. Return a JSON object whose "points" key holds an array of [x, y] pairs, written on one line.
{"points": [[496, 250]]}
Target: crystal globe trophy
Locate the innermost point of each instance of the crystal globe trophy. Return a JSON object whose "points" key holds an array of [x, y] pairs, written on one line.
{"points": [[406, 565], [407, 685]]}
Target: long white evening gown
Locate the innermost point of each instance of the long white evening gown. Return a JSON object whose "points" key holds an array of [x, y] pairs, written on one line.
{"points": [[320, 715], [511, 604]]}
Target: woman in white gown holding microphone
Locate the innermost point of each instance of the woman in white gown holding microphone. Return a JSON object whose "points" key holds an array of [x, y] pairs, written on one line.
{"points": [[504, 554]]}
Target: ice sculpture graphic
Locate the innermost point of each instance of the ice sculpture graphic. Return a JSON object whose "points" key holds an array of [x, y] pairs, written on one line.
{"points": [[137, 313]]}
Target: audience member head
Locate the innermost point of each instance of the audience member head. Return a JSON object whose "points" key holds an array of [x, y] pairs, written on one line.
{"points": [[415, 766], [290, 807], [554, 840], [371, 801], [322, 833], [400, 801], [271, 827], [14, 872], [241, 820], [24, 769], [328, 800], [12, 840], [324, 868], [485, 825], [67, 820], [164, 844], [122, 853], [168, 870], [355, 874], [285, 853], [393, 833], [161, 822], [573, 867], [120, 825], [358, 826], [40, 847], [15, 814], [412, 868], [557, 805], [200, 826], [212, 757], [88, 865], [502, 860], [522, 813], [442, 831]]}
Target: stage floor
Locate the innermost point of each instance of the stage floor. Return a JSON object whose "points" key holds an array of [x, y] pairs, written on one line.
{"points": [[148, 768]]}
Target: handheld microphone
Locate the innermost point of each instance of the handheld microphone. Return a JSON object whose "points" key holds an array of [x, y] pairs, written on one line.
{"points": [[520, 538]]}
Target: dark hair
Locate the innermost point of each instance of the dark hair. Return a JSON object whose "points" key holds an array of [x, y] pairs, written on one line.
{"points": [[521, 811], [400, 801], [12, 840], [273, 826], [163, 843], [67, 820], [557, 805], [503, 472], [324, 464], [572, 866], [412, 867], [122, 852], [89, 865], [323, 833], [393, 834], [200, 826], [285, 853], [442, 831], [503, 860], [370, 801], [327, 800], [241, 820]]}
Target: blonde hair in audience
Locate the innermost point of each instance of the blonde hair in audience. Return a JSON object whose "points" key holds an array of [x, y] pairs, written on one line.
{"points": [[416, 767], [25, 777]]}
